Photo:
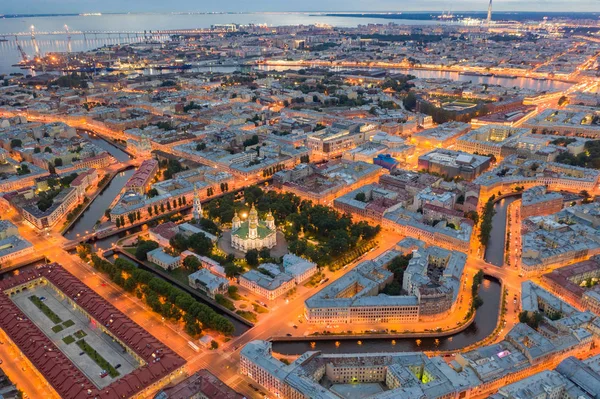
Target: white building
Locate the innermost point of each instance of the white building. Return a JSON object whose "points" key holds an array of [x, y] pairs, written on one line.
{"points": [[253, 233], [210, 284], [163, 259]]}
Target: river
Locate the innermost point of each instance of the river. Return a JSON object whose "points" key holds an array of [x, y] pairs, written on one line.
{"points": [[494, 252], [9, 53], [88, 219], [525, 83], [484, 324]]}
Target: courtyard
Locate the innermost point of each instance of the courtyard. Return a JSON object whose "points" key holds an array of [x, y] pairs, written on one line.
{"points": [[69, 329]]}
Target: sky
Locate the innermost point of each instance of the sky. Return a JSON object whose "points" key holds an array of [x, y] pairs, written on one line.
{"points": [[81, 6]]}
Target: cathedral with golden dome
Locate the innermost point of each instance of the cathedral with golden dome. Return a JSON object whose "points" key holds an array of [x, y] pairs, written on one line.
{"points": [[253, 233]]}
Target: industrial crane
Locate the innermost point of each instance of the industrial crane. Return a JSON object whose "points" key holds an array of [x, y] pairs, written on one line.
{"points": [[23, 54]]}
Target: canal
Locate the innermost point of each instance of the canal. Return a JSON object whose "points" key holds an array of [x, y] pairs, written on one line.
{"points": [[486, 319], [86, 222], [105, 145], [494, 252], [239, 327]]}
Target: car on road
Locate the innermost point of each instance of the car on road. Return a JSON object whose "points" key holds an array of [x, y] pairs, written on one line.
{"points": [[295, 326], [103, 374], [118, 366], [288, 334], [42, 298], [81, 353]]}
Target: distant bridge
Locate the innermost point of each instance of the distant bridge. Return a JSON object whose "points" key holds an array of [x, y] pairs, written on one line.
{"points": [[125, 33]]}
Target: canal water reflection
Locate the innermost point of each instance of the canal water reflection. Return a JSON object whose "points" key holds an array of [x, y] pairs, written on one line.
{"points": [[484, 324], [494, 252]]}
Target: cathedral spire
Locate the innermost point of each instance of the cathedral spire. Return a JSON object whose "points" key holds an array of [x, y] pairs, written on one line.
{"points": [[197, 210]]}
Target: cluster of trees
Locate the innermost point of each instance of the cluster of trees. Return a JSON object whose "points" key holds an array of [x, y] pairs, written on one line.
{"points": [[474, 216], [14, 143], [165, 125], [400, 84], [563, 100], [224, 187], [46, 199], [209, 226], [441, 115], [362, 197], [188, 107], [172, 166], [201, 147], [71, 215], [72, 81], [416, 37], [23, 169], [305, 158], [336, 233], [63, 181], [563, 141], [397, 266], [145, 246], [532, 320], [320, 47], [254, 257], [486, 221], [272, 170], [164, 299], [198, 243], [155, 210], [477, 280], [589, 158], [251, 141], [191, 263], [255, 119], [410, 101], [84, 250]]}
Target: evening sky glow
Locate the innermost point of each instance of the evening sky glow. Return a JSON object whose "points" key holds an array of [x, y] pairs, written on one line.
{"points": [[79, 6]]}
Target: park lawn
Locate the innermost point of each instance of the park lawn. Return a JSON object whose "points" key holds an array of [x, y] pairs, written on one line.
{"points": [[68, 339], [57, 328], [250, 316], [259, 309], [45, 309], [95, 356], [221, 300], [180, 274], [79, 334], [68, 323]]}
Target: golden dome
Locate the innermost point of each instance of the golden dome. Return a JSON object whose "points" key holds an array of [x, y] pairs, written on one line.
{"points": [[253, 212], [270, 216]]}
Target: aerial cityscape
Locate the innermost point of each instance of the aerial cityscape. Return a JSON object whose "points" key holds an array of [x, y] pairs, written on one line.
{"points": [[331, 200]]}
